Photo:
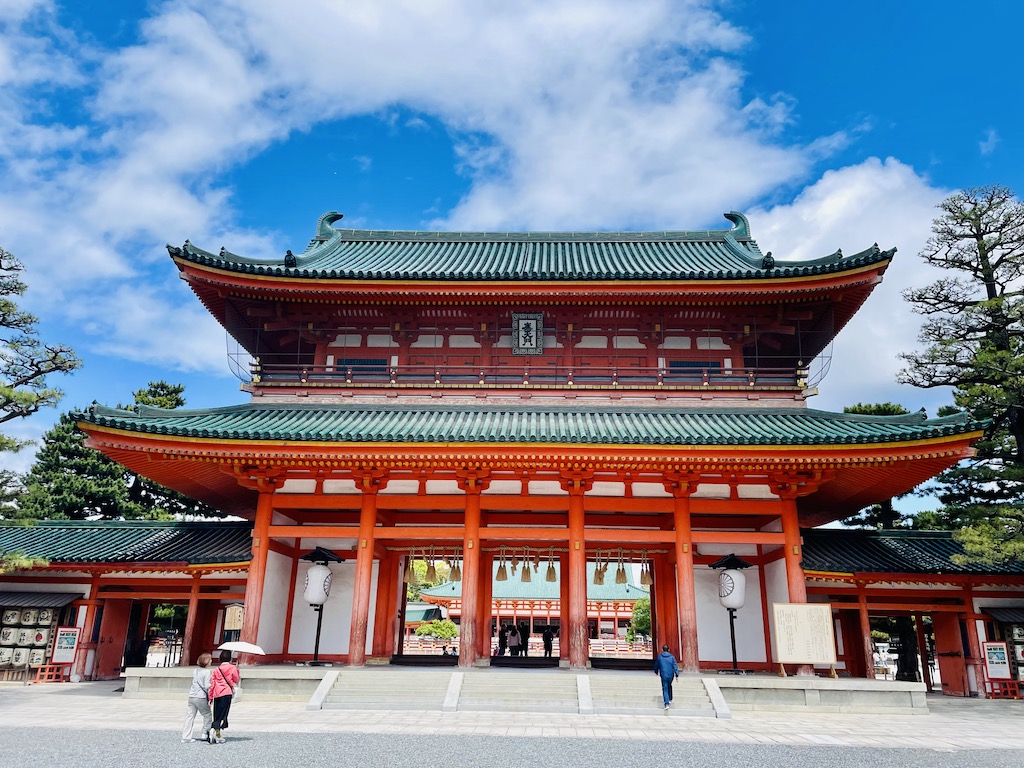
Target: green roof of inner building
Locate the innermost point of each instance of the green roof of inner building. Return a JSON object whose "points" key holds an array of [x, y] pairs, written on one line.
{"points": [[588, 425], [538, 588], [118, 541], [547, 256], [891, 551]]}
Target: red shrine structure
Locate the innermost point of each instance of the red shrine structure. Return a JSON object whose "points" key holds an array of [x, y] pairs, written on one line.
{"points": [[565, 398]]}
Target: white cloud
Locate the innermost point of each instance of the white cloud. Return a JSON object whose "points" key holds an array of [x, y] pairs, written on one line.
{"points": [[849, 209], [566, 113], [988, 145]]}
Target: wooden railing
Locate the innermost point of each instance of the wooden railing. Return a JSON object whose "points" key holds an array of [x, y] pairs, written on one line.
{"points": [[524, 376]]}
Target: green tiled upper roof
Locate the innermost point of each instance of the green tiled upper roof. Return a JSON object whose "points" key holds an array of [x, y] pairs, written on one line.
{"points": [[859, 551], [537, 588], [396, 255], [112, 541], [412, 424]]}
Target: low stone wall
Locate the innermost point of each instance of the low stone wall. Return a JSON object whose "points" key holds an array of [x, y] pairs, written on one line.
{"points": [[269, 683], [820, 694]]}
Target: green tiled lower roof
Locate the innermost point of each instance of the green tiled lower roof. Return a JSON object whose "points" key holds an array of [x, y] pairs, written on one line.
{"points": [[899, 551], [111, 541], [529, 424], [396, 255], [538, 588]]}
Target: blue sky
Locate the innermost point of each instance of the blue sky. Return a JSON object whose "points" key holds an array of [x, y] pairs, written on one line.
{"points": [[128, 125]]}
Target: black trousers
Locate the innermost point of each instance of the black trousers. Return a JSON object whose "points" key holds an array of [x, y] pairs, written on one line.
{"points": [[221, 707]]}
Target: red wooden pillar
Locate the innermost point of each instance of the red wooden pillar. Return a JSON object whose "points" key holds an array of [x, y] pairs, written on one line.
{"points": [[257, 567], [293, 577], [472, 482], [668, 608], [190, 622], [681, 487], [576, 484], [486, 606], [88, 628], [563, 607], [371, 483], [795, 579], [387, 570], [975, 657], [922, 650], [867, 644]]}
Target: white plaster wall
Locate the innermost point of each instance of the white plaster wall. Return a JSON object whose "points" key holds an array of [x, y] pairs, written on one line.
{"points": [[627, 342], [337, 614], [777, 588], [275, 598], [457, 341], [713, 620]]}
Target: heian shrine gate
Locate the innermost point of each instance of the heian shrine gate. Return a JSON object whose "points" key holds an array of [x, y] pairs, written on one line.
{"points": [[557, 397]]}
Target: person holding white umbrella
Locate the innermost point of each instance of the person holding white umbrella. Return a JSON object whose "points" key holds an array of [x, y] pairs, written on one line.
{"points": [[223, 681]]}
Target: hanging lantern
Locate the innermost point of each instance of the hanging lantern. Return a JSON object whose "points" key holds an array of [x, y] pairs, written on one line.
{"points": [[732, 588], [318, 584]]}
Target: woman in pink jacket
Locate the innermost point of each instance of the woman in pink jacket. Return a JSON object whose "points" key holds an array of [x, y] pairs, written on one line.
{"points": [[223, 681]]}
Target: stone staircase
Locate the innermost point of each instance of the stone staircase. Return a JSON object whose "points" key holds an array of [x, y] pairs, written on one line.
{"points": [[387, 689], [501, 690], [640, 694], [547, 691]]}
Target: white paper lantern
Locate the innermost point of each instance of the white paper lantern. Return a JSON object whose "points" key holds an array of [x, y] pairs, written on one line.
{"points": [[318, 584], [732, 588]]}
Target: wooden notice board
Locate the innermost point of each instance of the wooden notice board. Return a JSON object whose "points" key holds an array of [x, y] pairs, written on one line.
{"points": [[804, 633]]}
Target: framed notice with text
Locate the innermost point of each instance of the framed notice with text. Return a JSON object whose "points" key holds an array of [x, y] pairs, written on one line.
{"points": [[804, 633], [997, 661], [65, 645]]}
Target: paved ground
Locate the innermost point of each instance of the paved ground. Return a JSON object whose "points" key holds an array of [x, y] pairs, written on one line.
{"points": [[954, 725]]}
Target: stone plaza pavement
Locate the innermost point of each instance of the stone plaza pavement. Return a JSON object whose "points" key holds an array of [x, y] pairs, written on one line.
{"points": [[953, 724]]}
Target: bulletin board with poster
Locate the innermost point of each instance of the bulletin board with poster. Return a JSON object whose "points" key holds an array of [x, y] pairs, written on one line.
{"points": [[997, 661], [65, 645], [804, 633]]}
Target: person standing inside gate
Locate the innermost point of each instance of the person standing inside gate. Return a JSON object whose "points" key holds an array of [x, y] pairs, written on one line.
{"points": [[666, 667], [223, 681], [548, 637], [513, 641]]}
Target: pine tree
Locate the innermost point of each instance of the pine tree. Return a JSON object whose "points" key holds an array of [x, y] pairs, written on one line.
{"points": [[974, 343], [25, 361], [70, 481]]}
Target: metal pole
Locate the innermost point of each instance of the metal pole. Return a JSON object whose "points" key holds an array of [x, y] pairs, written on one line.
{"points": [[732, 636], [316, 644]]}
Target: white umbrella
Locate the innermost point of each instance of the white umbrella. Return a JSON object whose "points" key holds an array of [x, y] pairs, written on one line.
{"points": [[242, 647]]}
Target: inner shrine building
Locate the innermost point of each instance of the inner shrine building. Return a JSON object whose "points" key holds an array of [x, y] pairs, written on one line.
{"points": [[559, 398]]}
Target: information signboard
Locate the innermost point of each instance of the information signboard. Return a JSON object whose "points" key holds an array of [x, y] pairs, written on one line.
{"points": [[997, 661], [65, 644], [804, 633]]}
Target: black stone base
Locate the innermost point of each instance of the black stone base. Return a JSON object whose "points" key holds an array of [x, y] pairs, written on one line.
{"points": [[523, 662], [424, 660]]}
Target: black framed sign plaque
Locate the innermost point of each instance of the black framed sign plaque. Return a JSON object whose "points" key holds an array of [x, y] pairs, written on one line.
{"points": [[527, 333]]}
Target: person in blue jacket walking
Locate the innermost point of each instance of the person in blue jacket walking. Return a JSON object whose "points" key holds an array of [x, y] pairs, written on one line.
{"points": [[665, 666]]}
